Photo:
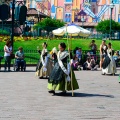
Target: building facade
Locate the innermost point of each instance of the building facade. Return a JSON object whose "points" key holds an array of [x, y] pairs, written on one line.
{"points": [[74, 10]]}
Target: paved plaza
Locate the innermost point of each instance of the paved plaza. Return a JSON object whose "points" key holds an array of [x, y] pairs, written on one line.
{"points": [[25, 97]]}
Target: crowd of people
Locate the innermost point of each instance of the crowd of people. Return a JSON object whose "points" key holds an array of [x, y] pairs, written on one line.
{"points": [[58, 66], [108, 58], [79, 60]]}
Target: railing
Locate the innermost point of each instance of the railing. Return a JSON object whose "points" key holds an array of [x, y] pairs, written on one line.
{"points": [[32, 56], [114, 36], [48, 33]]}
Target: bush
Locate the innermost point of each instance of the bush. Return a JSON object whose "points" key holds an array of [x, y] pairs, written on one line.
{"points": [[104, 26], [4, 32], [49, 24]]}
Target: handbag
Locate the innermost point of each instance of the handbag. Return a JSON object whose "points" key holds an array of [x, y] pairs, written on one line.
{"points": [[12, 56]]}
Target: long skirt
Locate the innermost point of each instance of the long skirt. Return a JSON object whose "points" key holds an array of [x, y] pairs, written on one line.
{"points": [[41, 73], [111, 68], [64, 84]]}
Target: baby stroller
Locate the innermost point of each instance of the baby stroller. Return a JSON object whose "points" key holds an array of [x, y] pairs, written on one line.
{"points": [[18, 68]]}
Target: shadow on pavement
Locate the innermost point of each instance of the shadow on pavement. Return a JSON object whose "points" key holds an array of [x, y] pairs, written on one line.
{"points": [[83, 95], [111, 75]]}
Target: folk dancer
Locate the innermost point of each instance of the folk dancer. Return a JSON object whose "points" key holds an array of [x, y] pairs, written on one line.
{"points": [[60, 76], [109, 65], [45, 64]]}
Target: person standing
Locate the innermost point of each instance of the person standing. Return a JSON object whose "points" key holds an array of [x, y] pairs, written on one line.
{"points": [[79, 55], [109, 65], [60, 75], [45, 64], [93, 47], [7, 53], [103, 52]]}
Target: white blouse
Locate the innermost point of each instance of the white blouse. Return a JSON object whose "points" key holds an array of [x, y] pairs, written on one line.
{"points": [[9, 49]]}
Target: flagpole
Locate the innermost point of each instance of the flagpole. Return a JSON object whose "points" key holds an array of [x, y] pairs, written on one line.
{"points": [[70, 62], [71, 71]]}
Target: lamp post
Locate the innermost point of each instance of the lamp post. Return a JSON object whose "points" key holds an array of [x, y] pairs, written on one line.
{"points": [[13, 18], [38, 16], [111, 9], [83, 20]]}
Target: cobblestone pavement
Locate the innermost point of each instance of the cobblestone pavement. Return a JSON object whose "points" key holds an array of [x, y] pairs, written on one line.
{"points": [[25, 97]]}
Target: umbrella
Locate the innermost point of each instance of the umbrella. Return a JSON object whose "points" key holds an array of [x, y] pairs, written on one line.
{"points": [[72, 30]]}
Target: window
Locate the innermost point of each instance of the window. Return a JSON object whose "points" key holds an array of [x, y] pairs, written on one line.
{"points": [[68, 0]]}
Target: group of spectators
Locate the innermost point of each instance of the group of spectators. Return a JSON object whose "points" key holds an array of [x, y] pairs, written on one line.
{"points": [[91, 58], [90, 63]]}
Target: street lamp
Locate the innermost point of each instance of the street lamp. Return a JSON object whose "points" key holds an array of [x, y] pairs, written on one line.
{"points": [[111, 9], [13, 18], [38, 16], [82, 20]]}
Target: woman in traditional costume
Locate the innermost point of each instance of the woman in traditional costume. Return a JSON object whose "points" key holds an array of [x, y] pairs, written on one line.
{"points": [[60, 76], [103, 52], [109, 65], [45, 64]]}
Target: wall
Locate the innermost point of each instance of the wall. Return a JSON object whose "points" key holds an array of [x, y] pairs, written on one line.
{"points": [[66, 9]]}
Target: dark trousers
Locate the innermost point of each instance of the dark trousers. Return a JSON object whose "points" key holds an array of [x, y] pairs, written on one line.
{"points": [[7, 62], [19, 63]]}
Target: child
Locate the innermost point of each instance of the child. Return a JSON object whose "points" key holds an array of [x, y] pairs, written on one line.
{"points": [[75, 64]]}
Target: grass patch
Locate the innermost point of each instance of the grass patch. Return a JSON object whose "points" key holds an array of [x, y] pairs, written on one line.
{"points": [[32, 45], [83, 43]]}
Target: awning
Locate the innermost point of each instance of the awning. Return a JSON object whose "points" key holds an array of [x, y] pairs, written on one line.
{"points": [[34, 12]]}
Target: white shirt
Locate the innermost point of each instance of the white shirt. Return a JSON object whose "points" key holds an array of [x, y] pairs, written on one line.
{"points": [[9, 49]]}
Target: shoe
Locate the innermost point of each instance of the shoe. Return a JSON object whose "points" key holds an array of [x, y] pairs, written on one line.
{"points": [[41, 77], [52, 91]]}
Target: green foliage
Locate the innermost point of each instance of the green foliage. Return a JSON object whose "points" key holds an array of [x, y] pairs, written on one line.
{"points": [[104, 26], [49, 24], [4, 32]]}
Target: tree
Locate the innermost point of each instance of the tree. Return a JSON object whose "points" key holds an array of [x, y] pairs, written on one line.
{"points": [[104, 26], [49, 24]]}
